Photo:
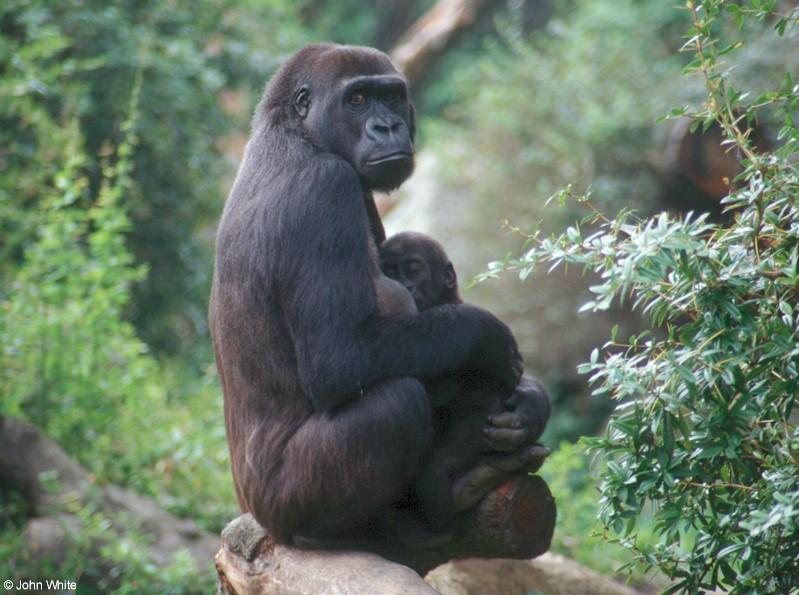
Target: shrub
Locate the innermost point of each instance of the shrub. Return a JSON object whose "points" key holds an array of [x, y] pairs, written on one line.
{"points": [[64, 57], [705, 430], [73, 365], [579, 533]]}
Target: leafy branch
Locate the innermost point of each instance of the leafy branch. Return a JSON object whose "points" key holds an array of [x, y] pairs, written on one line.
{"points": [[705, 432]]}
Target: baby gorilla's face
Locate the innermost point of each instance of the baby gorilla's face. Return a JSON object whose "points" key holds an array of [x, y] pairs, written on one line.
{"points": [[414, 273], [420, 264]]}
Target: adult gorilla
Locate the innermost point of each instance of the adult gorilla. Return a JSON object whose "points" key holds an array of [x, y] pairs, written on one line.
{"points": [[326, 422]]}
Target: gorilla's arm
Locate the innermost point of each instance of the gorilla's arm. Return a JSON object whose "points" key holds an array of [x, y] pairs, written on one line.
{"points": [[342, 346]]}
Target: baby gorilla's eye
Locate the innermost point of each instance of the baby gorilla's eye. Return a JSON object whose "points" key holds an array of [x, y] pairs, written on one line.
{"points": [[357, 99], [413, 269]]}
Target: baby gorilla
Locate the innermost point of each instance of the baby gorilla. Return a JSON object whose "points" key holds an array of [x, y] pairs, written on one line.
{"points": [[467, 460]]}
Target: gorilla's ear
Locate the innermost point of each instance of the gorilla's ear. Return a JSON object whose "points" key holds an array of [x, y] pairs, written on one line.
{"points": [[450, 278], [302, 101], [412, 121]]}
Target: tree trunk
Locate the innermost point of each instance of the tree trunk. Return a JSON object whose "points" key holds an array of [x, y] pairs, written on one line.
{"points": [[432, 34]]}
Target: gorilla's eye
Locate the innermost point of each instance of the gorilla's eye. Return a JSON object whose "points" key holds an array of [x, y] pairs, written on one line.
{"points": [[357, 99], [413, 268]]}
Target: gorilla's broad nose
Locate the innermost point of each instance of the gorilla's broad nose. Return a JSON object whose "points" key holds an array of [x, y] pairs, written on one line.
{"points": [[383, 127]]}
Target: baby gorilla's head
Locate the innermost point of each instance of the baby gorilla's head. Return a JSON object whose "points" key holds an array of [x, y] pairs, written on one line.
{"points": [[422, 266]]}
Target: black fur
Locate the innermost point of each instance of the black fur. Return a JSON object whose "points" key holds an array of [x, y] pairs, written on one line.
{"points": [[327, 424]]}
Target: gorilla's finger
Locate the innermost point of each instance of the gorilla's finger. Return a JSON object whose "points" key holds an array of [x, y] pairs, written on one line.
{"points": [[508, 420], [504, 440]]}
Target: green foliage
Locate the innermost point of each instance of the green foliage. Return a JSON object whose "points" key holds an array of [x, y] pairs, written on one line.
{"points": [[578, 533], [71, 363], [341, 22], [61, 56], [378, 24], [572, 101], [63, 340], [104, 554], [706, 431]]}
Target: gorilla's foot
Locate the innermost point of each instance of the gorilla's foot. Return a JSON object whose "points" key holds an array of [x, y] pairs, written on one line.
{"points": [[491, 471], [398, 526], [414, 533]]}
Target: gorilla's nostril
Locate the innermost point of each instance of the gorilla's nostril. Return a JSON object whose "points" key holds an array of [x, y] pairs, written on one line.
{"points": [[384, 127]]}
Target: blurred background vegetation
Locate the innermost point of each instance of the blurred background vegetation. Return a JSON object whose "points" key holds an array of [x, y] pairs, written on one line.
{"points": [[120, 128]]}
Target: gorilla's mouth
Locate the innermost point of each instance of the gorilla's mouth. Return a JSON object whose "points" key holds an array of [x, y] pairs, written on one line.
{"points": [[395, 156]]}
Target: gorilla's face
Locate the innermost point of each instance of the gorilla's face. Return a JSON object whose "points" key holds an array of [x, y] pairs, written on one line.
{"points": [[424, 271], [368, 121]]}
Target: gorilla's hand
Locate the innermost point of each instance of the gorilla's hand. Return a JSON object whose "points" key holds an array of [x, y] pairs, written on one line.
{"points": [[496, 351], [523, 421]]}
